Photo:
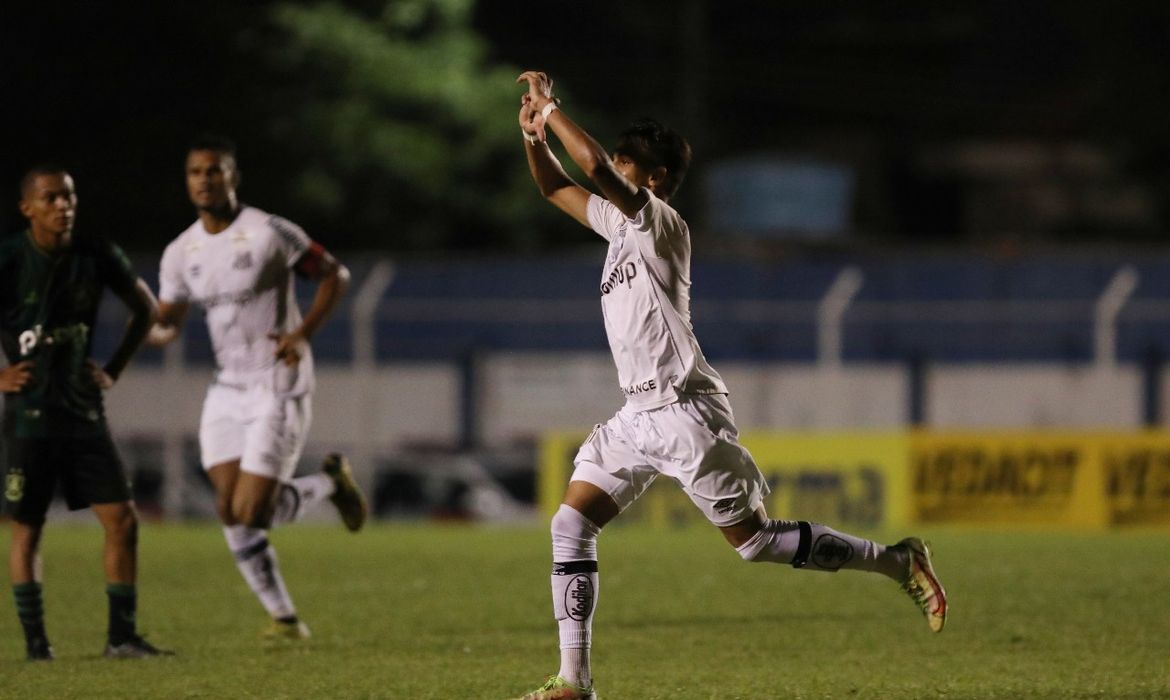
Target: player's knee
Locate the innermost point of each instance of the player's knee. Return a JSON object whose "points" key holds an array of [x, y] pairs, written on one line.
{"points": [[574, 536], [223, 508], [123, 528], [255, 515]]}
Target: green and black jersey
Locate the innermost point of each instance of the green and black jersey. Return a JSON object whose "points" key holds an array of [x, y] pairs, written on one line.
{"points": [[48, 305]]}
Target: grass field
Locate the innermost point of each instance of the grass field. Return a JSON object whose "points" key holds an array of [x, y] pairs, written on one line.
{"points": [[427, 611]]}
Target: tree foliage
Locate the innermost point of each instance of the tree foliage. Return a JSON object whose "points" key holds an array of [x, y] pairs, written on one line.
{"points": [[404, 131]]}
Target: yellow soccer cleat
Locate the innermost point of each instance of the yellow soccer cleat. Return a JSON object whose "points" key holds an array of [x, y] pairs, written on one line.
{"points": [[557, 688], [347, 497], [922, 584], [280, 631]]}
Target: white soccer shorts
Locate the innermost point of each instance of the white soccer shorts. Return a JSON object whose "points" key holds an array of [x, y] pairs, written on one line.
{"points": [[693, 441], [264, 431]]}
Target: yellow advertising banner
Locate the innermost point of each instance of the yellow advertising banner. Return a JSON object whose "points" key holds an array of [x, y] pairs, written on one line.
{"points": [[1135, 469], [1062, 479], [1005, 478], [1074, 479]]}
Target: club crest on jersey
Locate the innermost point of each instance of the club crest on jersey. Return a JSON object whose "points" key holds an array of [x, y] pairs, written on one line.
{"points": [[243, 260], [14, 485], [622, 274]]}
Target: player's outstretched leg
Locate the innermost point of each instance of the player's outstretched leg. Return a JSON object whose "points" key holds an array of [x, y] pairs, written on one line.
{"points": [[922, 584], [346, 496], [816, 547], [557, 688]]}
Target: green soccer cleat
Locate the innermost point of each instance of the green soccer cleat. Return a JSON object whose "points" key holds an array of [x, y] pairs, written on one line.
{"points": [[922, 584], [557, 688], [347, 497], [281, 631], [134, 648]]}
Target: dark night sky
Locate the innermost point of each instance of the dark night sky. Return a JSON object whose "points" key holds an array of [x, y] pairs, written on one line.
{"points": [[115, 93]]}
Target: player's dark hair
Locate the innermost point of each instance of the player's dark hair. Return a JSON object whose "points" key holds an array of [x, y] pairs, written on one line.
{"points": [[215, 143], [651, 145], [26, 181]]}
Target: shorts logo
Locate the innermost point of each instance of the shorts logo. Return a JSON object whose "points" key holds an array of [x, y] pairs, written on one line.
{"points": [[831, 552], [724, 506], [579, 597], [14, 485]]}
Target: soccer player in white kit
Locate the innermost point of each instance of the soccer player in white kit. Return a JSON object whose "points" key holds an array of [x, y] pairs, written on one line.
{"points": [[237, 263], [676, 420]]}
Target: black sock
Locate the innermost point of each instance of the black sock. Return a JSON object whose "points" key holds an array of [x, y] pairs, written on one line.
{"points": [[123, 607], [30, 608]]}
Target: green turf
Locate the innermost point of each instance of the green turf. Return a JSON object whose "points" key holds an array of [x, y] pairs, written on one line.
{"points": [[415, 612]]}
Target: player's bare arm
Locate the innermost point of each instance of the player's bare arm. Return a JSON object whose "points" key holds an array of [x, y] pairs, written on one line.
{"points": [[332, 281], [168, 323], [582, 148], [143, 308], [14, 378], [554, 183]]}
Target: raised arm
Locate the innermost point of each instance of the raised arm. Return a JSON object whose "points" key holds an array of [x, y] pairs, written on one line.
{"points": [[582, 148], [554, 183]]}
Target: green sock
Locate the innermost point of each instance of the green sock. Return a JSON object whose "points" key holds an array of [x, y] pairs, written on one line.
{"points": [[30, 608], [123, 608]]}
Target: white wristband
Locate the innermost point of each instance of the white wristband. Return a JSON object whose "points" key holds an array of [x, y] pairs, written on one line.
{"points": [[548, 109], [530, 138]]}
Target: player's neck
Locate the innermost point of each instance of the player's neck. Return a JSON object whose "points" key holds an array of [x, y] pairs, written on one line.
{"points": [[50, 242], [217, 220]]}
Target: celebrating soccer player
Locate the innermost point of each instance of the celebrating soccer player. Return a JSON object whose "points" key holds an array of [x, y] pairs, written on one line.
{"points": [[51, 284], [237, 262], [676, 419]]}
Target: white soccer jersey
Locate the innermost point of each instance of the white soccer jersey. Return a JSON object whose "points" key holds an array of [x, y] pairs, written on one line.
{"points": [[243, 280], [646, 301]]}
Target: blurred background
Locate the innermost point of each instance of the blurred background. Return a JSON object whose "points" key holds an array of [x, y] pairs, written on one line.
{"points": [[906, 216]]}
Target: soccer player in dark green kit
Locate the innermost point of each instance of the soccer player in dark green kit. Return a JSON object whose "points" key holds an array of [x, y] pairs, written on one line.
{"points": [[51, 284]]}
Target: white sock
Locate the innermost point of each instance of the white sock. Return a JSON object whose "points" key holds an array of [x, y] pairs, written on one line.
{"points": [[574, 591], [256, 560], [295, 498], [814, 546]]}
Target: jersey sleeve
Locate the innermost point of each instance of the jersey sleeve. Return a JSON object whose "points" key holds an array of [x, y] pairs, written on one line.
{"points": [[291, 240], [660, 225], [603, 216], [171, 287], [117, 270]]}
